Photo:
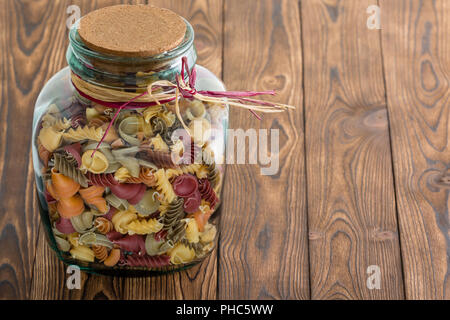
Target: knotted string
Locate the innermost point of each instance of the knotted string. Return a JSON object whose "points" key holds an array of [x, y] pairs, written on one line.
{"points": [[186, 89]]}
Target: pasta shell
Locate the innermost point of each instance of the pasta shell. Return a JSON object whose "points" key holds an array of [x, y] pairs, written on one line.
{"points": [[112, 133], [93, 196], [70, 207], [63, 187], [200, 130], [62, 244], [50, 139], [96, 164], [128, 129]]}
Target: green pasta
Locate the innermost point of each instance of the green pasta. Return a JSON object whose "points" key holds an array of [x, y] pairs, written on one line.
{"points": [[197, 247], [63, 166]]}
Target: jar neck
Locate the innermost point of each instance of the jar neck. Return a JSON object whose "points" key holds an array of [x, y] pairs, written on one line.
{"points": [[128, 73]]}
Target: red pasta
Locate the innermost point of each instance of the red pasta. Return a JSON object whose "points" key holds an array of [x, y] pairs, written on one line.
{"points": [[207, 192], [159, 158], [102, 180], [147, 261], [161, 235], [128, 191], [134, 243]]}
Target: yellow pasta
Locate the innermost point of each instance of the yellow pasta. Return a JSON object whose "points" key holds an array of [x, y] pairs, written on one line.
{"points": [[209, 234], [199, 170], [158, 144], [163, 208], [122, 175], [84, 133], [50, 138], [168, 117], [164, 186], [151, 112], [73, 239], [57, 124], [122, 219], [192, 233], [83, 253], [181, 254], [98, 163], [144, 226]]}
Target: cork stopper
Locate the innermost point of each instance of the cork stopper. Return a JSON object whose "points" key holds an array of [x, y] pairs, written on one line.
{"points": [[132, 30]]}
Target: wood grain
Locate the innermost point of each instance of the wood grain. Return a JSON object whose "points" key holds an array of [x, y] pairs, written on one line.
{"points": [[29, 56], [415, 38], [351, 202], [263, 244]]}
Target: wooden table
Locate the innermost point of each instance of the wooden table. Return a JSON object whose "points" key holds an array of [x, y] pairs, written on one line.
{"points": [[362, 178]]}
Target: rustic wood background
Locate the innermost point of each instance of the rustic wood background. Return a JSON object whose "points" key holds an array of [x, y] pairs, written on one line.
{"points": [[362, 178]]}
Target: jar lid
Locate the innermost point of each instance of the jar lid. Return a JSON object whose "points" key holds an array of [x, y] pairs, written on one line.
{"points": [[132, 30]]}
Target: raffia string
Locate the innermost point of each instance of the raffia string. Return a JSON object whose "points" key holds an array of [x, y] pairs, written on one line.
{"points": [[164, 91]]}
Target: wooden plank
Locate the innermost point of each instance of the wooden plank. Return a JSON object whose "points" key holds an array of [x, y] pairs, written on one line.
{"points": [[263, 249], [416, 54], [29, 57], [351, 203], [200, 282]]}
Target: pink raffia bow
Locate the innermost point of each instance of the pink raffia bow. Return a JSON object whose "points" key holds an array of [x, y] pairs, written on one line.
{"points": [[187, 91]]}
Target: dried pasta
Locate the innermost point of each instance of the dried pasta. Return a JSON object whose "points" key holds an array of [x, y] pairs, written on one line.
{"points": [[83, 253], [195, 169], [63, 166], [181, 254], [50, 138], [164, 186], [122, 174], [122, 219], [158, 144], [83, 133], [144, 226], [152, 112]]}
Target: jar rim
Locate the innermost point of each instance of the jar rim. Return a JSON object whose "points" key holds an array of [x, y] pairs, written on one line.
{"points": [[79, 46]]}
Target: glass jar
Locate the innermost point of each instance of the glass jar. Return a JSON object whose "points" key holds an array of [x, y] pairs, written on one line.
{"points": [[142, 200]]}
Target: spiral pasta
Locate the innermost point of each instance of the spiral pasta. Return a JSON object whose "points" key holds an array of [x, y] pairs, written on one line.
{"points": [[144, 226], [195, 169], [152, 112], [84, 133], [100, 252], [122, 219], [168, 117], [181, 254], [158, 144], [122, 174], [163, 186], [69, 170], [146, 177], [103, 225], [192, 232], [197, 247]]}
